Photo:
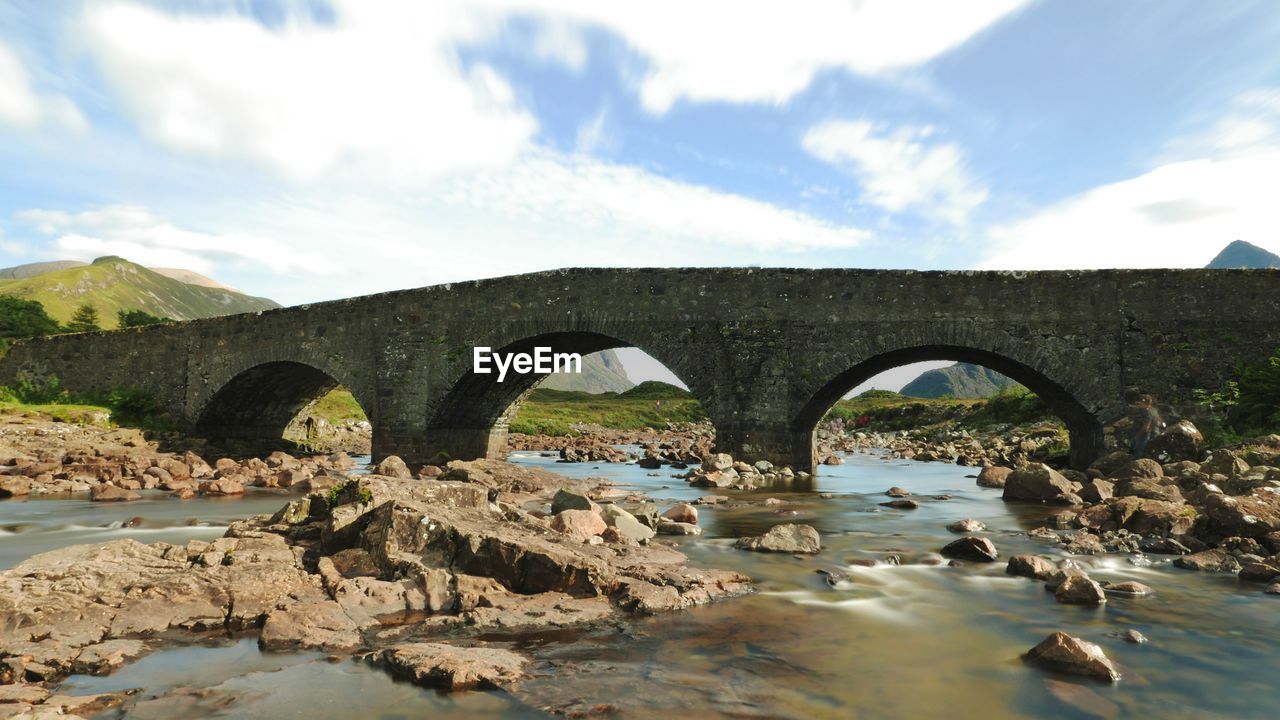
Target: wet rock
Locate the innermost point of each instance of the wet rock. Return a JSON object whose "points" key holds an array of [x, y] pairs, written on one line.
{"points": [[1061, 575], [1156, 518], [967, 525], [1031, 566], [1063, 653], [717, 462], [25, 694], [1272, 589], [1130, 636], [1129, 588], [1080, 591], [1260, 572], [393, 466], [106, 492], [897, 492], [1097, 490], [788, 538], [228, 485], [1208, 561], [451, 667], [316, 625], [580, 525], [626, 524], [1255, 516], [105, 657], [902, 504], [1150, 488], [832, 577], [682, 513], [973, 549], [994, 476], [1040, 482]]}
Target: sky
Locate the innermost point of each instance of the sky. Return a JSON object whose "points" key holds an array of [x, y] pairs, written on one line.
{"points": [[306, 150]]}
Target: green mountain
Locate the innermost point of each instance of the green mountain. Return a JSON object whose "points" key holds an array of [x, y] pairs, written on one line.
{"points": [[1241, 254], [961, 380], [111, 284], [601, 372], [656, 390], [20, 272]]}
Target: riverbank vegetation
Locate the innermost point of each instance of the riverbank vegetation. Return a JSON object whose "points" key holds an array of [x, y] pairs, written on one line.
{"points": [[650, 404]]}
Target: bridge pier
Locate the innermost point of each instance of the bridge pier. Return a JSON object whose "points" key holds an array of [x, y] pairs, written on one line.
{"points": [[778, 446]]}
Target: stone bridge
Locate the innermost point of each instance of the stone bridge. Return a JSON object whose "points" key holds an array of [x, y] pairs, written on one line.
{"points": [[766, 351]]}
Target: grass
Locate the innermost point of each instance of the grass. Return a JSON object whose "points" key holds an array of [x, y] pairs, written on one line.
{"points": [[889, 411], [338, 407], [58, 412], [555, 412]]}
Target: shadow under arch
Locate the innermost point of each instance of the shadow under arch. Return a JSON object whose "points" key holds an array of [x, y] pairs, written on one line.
{"points": [[471, 419], [1087, 441], [259, 403]]}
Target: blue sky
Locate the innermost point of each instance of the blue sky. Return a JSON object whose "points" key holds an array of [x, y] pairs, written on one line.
{"points": [[307, 150]]}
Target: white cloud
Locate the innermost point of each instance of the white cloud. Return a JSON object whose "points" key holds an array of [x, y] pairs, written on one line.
{"points": [[900, 168], [734, 51], [1179, 214], [21, 106], [139, 235], [379, 95]]}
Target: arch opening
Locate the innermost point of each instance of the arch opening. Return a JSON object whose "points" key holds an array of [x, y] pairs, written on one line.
{"points": [[476, 416], [286, 404], [1084, 429]]}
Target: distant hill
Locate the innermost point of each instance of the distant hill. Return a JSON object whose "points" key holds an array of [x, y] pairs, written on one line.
{"points": [[656, 390], [961, 380], [192, 277], [1241, 254], [112, 283], [601, 372], [21, 272]]}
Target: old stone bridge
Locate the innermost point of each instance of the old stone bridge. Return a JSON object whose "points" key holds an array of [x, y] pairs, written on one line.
{"points": [[766, 351]]}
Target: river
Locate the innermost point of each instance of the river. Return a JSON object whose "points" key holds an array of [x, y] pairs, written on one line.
{"points": [[907, 637]]}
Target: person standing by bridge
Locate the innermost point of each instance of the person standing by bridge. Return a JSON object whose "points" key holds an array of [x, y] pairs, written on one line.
{"points": [[1148, 424]]}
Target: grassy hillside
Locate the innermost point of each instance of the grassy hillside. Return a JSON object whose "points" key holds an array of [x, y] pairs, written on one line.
{"points": [[601, 372], [555, 412], [890, 411], [111, 284]]}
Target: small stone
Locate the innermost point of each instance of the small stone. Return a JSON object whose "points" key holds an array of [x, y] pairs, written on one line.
{"points": [[682, 513], [1031, 566], [994, 476], [1129, 588], [1130, 636], [903, 504], [897, 492], [789, 538], [974, 549], [570, 500], [1208, 561], [668, 527], [967, 526]]}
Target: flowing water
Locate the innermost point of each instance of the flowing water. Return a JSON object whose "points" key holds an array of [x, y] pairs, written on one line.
{"points": [[907, 637]]}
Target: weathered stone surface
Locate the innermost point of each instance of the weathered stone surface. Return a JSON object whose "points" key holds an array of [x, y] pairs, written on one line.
{"points": [[452, 667], [393, 466], [1150, 488], [1031, 566], [1063, 653], [570, 500], [1129, 588], [1255, 516], [1224, 462], [1039, 482], [1080, 591], [971, 548], [107, 492], [1260, 572], [682, 513], [1208, 561], [718, 462], [316, 625], [105, 657], [788, 538], [1180, 441], [14, 486], [994, 476], [578, 524]]}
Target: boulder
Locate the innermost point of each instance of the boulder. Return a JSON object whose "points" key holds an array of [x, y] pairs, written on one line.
{"points": [[1080, 591], [566, 499], [972, 548], [1208, 561], [1151, 517], [1150, 488], [789, 538], [1129, 588], [228, 485], [1255, 516], [450, 667], [1040, 482], [1180, 441], [1140, 468], [717, 462], [392, 466], [994, 476], [1260, 572], [1031, 566], [578, 524], [1224, 462], [1097, 490], [106, 492], [626, 524], [902, 504], [682, 513], [14, 486], [1063, 653]]}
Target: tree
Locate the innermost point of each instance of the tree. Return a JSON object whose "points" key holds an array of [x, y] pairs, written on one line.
{"points": [[24, 318], [85, 319], [139, 318]]}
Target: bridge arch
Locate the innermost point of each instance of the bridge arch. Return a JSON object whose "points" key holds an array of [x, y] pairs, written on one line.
{"points": [[470, 418], [1052, 383], [256, 398]]}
